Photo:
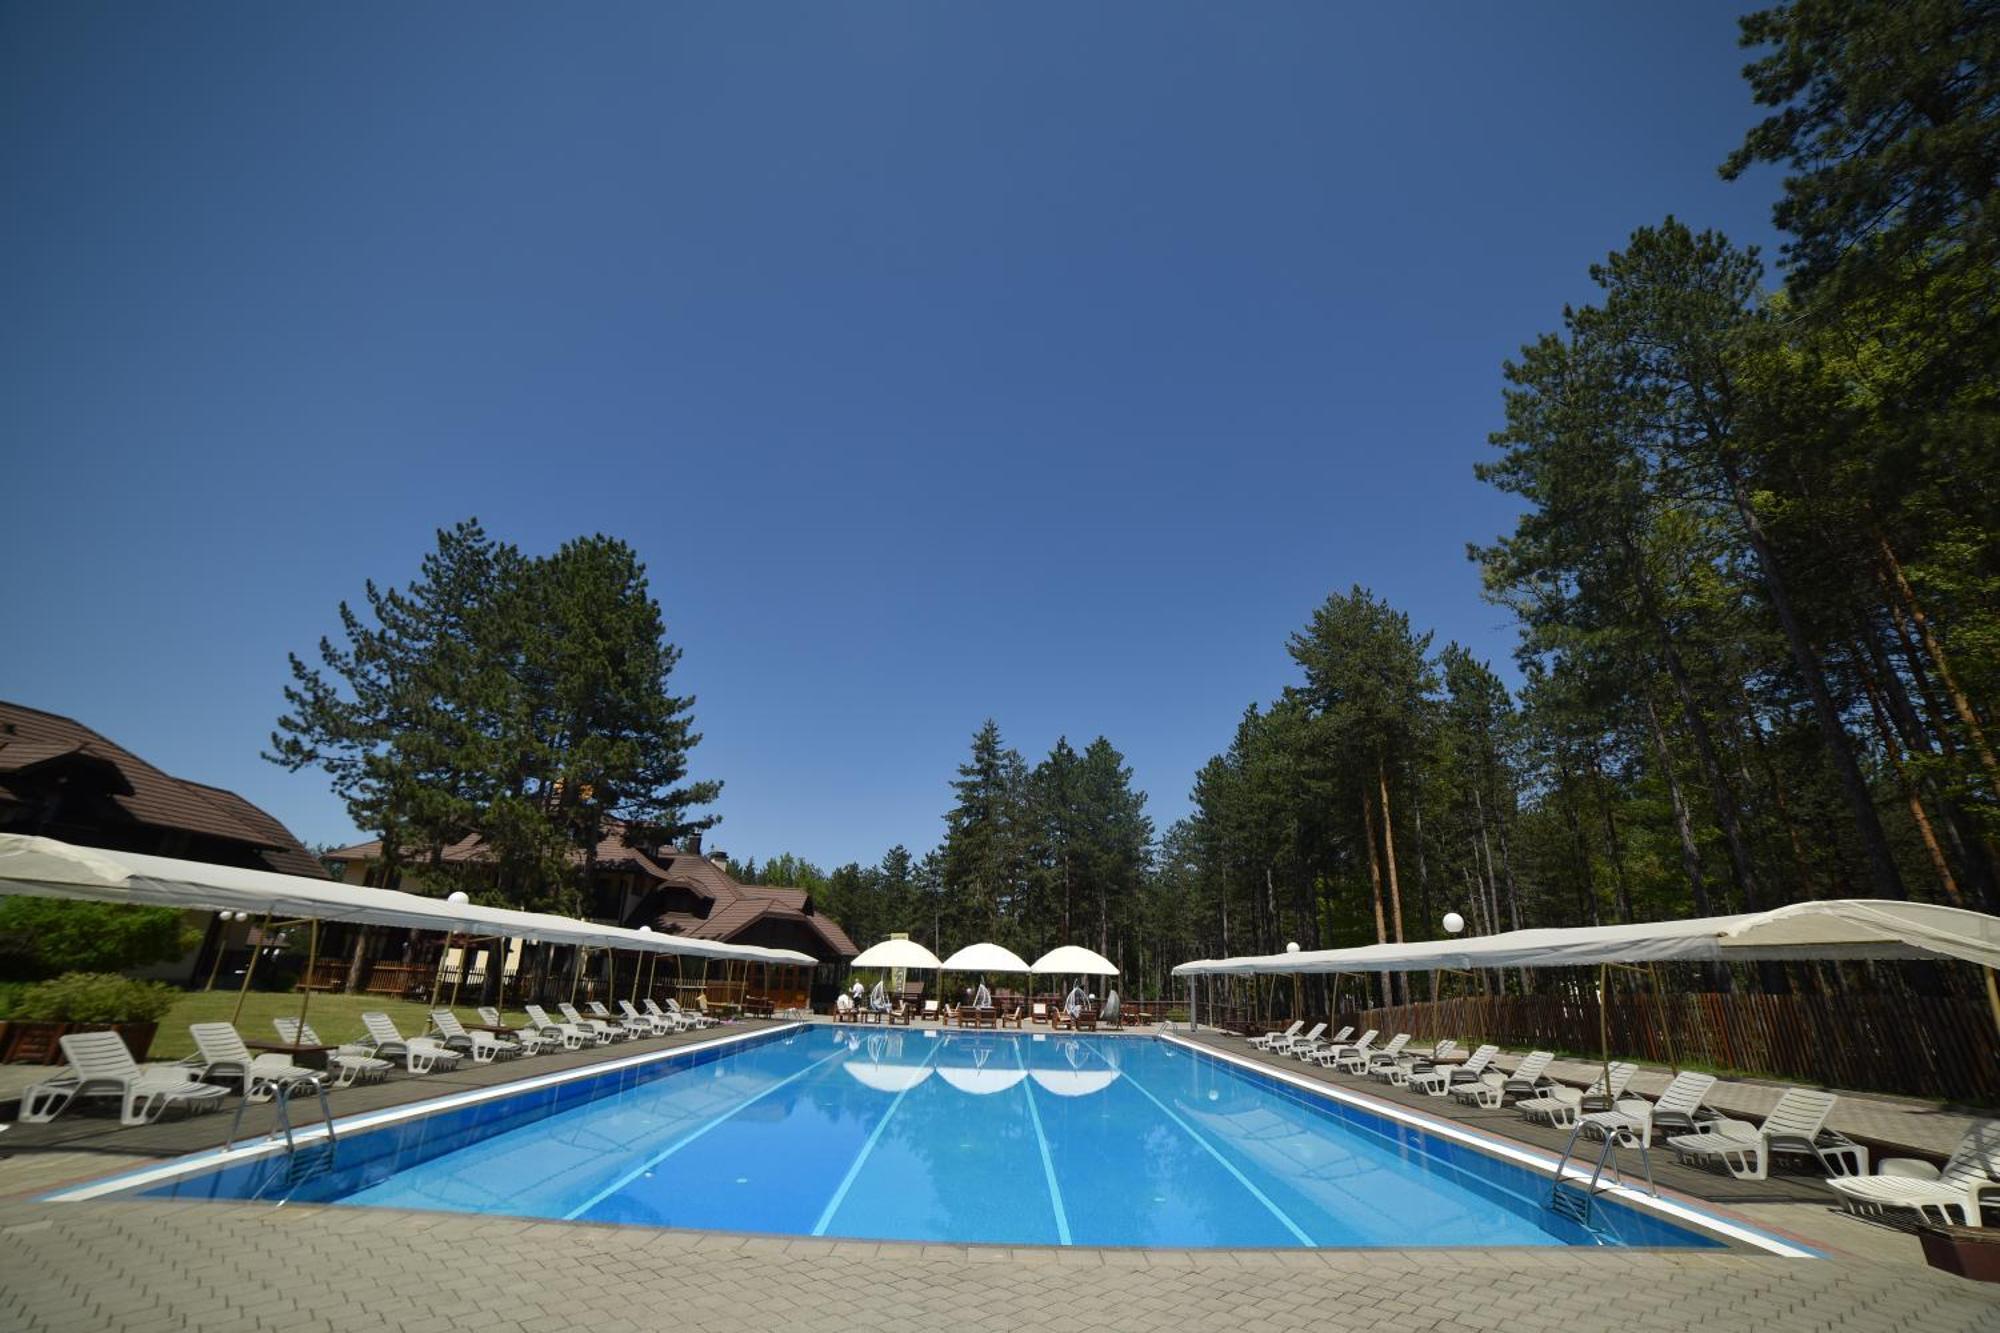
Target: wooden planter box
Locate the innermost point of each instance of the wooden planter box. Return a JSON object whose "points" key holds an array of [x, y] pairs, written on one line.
{"points": [[35, 1042], [1972, 1252]]}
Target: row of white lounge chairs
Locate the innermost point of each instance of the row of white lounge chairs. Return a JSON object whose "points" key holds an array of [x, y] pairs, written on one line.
{"points": [[100, 1065], [1795, 1125]]}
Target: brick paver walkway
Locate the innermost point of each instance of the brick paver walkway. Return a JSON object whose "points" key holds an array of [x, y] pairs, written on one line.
{"points": [[232, 1268]]}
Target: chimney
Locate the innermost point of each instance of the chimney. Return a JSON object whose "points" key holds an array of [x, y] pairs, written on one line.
{"points": [[719, 859], [692, 842]]}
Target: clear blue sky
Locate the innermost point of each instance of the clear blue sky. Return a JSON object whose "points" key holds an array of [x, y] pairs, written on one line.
{"points": [[943, 360]]}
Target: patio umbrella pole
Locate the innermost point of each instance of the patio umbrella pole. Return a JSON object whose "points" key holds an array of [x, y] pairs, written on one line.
{"points": [[250, 969], [1666, 1021], [1604, 1018], [1993, 996]]}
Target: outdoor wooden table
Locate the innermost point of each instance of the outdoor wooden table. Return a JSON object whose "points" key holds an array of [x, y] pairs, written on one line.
{"points": [[305, 1054]]}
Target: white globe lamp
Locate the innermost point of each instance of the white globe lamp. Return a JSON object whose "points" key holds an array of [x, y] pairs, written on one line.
{"points": [[1293, 947], [1453, 923], [460, 896]]}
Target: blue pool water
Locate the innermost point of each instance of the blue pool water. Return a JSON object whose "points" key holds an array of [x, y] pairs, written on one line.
{"points": [[908, 1134]]}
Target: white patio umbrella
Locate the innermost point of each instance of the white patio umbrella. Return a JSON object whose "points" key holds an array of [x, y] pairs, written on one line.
{"points": [[885, 1077], [1074, 1082], [1075, 960], [895, 953], [985, 957]]}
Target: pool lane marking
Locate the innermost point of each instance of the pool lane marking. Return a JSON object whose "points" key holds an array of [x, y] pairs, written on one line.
{"points": [[861, 1158], [690, 1137], [207, 1159], [1042, 1141], [1212, 1151]]}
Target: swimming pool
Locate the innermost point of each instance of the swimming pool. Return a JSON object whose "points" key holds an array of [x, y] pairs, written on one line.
{"points": [[913, 1134]]}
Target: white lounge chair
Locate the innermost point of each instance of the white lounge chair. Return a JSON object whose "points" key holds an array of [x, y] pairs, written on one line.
{"points": [[655, 1025], [1360, 1062], [1306, 1050], [699, 1019], [1398, 1073], [1639, 1118], [349, 1063], [483, 1047], [531, 1040], [571, 1035], [606, 1033], [101, 1065], [677, 1020], [1326, 1055], [220, 1054], [1797, 1124], [420, 1055], [1908, 1182], [1263, 1043], [1559, 1104], [1298, 1045], [637, 1025], [1440, 1080]]}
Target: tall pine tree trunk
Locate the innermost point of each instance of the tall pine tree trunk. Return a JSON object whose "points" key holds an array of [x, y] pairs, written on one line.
{"points": [[1690, 849], [1614, 845], [1881, 861], [1961, 704], [1375, 884], [1389, 852], [1894, 751]]}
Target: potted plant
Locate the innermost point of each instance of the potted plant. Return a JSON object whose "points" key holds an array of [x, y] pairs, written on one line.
{"points": [[85, 1002], [1972, 1252]]}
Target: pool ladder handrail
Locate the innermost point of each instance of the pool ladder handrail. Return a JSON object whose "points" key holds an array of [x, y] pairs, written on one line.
{"points": [[1615, 1137], [297, 1168]]}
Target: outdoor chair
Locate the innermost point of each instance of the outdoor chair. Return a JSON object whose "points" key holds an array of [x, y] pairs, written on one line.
{"points": [[483, 1047], [420, 1055], [1398, 1072], [1908, 1182], [700, 1020], [603, 1031], [1263, 1043], [1559, 1105], [349, 1063], [633, 1025], [1797, 1124], [1360, 1062], [1332, 1051], [221, 1054], [1438, 1082], [1301, 1046], [570, 1035], [658, 1025], [1676, 1109], [101, 1065], [531, 1040]]}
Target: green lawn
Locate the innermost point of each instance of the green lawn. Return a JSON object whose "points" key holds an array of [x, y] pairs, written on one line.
{"points": [[336, 1018]]}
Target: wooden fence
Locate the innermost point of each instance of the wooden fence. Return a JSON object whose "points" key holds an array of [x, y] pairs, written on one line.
{"points": [[1916, 1046]]}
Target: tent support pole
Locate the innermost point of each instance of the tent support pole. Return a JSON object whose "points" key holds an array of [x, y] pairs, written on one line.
{"points": [[576, 974], [250, 969], [312, 961], [1604, 1018], [1667, 1024], [1993, 995], [437, 978], [221, 947]]}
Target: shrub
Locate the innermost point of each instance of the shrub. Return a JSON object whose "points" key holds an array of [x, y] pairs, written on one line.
{"points": [[95, 997], [43, 937]]}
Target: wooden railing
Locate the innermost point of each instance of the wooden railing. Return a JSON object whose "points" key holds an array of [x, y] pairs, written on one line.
{"points": [[1917, 1046]]}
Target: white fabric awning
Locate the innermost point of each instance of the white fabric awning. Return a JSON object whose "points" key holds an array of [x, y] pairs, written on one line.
{"points": [[1849, 928], [48, 868]]}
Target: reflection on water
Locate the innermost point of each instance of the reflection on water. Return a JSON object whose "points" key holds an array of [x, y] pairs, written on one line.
{"points": [[976, 1065]]}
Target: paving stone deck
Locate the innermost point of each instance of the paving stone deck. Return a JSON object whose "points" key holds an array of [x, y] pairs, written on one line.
{"points": [[235, 1268]]}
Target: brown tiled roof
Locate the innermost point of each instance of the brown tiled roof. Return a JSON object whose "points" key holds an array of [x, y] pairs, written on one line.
{"points": [[283, 852], [31, 737], [733, 907]]}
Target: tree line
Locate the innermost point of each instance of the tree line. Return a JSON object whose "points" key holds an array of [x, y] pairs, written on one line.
{"points": [[1755, 574]]}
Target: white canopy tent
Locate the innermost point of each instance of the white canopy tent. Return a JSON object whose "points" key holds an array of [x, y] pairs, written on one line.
{"points": [[1837, 929], [1852, 928], [985, 957], [48, 868]]}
